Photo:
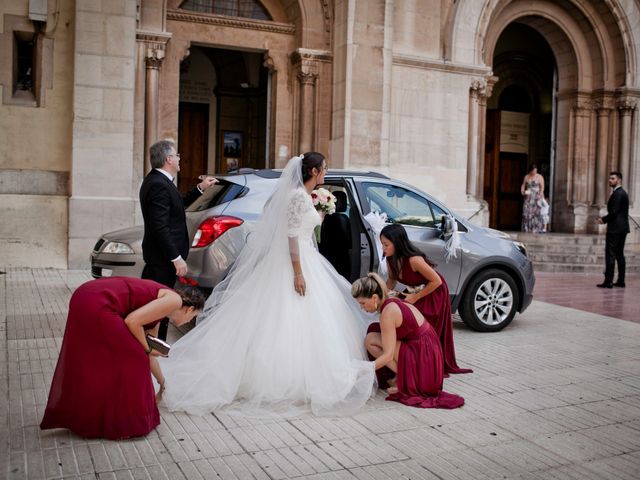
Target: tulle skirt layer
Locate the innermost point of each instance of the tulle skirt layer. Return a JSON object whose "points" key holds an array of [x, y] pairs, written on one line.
{"points": [[265, 349]]}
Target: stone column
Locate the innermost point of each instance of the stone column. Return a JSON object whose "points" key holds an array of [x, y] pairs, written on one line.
{"points": [[307, 74], [154, 54], [626, 107], [477, 108], [603, 110], [579, 165]]}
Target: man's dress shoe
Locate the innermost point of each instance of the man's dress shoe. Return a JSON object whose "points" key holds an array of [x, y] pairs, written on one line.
{"points": [[605, 285]]}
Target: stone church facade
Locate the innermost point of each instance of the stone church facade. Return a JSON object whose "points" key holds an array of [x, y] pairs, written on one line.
{"points": [[456, 97]]}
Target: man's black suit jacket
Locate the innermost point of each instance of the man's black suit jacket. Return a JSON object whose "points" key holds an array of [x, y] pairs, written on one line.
{"points": [[617, 218], [165, 226]]}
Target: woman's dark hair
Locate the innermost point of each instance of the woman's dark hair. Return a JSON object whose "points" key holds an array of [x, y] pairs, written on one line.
{"points": [[310, 161], [367, 287], [191, 297], [403, 247], [531, 167]]}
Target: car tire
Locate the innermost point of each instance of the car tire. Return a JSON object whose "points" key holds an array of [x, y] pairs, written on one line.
{"points": [[490, 301]]}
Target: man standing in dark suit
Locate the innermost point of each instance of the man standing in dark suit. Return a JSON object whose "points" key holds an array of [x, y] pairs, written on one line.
{"points": [[165, 244], [617, 220]]}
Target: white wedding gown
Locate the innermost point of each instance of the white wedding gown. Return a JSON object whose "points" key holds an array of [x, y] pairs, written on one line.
{"points": [[265, 349]]}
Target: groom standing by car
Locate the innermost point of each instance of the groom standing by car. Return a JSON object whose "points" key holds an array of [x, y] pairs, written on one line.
{"points": [[165, 244]]}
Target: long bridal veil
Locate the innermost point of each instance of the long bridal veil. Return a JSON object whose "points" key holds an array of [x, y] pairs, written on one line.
{"points": [[259, 347]]}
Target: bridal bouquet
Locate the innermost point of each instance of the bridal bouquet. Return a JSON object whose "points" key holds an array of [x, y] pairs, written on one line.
{"points": [[324, 201]]}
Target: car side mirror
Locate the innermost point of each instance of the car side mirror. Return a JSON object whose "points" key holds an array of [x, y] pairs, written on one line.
{"points": [[447, 226]]}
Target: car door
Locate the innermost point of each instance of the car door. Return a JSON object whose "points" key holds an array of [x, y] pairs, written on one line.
{"points": [[421, 218]]}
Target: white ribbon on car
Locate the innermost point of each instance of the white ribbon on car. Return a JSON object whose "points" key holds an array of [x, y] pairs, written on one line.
{"points": [[453, 244], [377, 221]]}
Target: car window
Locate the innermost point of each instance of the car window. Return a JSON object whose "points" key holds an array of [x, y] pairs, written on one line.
{"points": [[438, 213], [342, 192], [218, 194], [399, 204]]}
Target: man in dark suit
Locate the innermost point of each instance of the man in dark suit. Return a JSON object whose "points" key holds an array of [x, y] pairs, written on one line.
{"points": [[617, 220], [165, 244]]}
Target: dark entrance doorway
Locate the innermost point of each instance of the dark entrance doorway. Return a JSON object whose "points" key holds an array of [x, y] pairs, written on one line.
{"points": [[519, 126], [224, 112]]}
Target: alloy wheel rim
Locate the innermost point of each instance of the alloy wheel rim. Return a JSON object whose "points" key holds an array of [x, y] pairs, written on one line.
{"points": [[493, 301]]}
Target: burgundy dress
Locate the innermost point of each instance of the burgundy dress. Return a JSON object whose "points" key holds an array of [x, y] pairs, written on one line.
{"points": [[436, 308], [420, 366], [102, 384]]}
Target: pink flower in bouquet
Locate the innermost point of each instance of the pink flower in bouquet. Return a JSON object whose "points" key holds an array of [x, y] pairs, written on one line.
{"points": [[324, 201]]}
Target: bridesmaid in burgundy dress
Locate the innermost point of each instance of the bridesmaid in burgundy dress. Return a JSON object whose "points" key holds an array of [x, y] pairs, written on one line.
{"points": [[102, 385], [406, 344], [407, 264]]}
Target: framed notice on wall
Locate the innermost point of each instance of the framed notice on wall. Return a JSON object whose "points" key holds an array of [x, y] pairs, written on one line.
{"points": [[232, 145]]}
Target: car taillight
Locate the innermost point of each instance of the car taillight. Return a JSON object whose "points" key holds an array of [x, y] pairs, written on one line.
{"points": [[212, 228]]}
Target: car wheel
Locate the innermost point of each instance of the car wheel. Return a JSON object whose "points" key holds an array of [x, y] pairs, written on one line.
{"points": [[490, 301]]}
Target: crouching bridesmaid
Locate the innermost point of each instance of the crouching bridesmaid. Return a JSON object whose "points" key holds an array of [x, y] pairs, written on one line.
{"points": [[407, 344]]}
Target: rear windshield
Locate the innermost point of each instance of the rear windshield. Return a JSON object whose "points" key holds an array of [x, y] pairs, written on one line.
{"points": [[221, 192]]}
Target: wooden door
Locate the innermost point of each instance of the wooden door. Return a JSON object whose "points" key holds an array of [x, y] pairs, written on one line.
{"points": [[193, 143], [511, 172]]}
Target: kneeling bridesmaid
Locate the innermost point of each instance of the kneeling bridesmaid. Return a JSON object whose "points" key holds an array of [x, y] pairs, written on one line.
{"points": [[407, 344]]}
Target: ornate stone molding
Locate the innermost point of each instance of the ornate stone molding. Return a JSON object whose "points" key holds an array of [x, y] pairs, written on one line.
{"points": [[478, 88], [449, 67], [306, 54], [235, 22]]}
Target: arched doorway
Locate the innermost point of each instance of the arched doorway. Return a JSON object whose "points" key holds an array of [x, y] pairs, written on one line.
{"points": [[519, 122], [594, 111]]}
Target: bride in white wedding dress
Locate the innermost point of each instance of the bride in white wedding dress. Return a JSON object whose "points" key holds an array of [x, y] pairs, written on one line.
{"points": [[281, 334]]}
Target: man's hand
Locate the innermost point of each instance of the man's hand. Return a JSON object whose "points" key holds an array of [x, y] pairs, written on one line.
{"points": [[181, 267], [599, 221], [207, 182]]}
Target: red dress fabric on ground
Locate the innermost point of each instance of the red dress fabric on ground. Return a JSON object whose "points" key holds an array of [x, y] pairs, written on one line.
{"points": [[102, 385], [436, 308], [420, 367]]}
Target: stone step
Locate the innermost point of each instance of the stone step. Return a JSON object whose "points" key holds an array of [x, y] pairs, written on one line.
{"points": [[553, 257], [558, 238], [575, 267]]}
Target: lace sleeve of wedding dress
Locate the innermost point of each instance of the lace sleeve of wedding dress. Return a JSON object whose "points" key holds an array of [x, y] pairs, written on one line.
{"points": [[297, 207]]}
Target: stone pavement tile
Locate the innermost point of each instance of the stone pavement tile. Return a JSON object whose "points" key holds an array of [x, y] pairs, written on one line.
{"points": [[463, 464], [573, 417], [319, 429], [476, 433], [576, 447], [408, 469], [528, 424], [621, 437], [520, 456], [391, 421], [361, 451], [577, 393], [533, 400], [269, 436], [489, 406], [422, 442], [614, 410], [620, 467]]}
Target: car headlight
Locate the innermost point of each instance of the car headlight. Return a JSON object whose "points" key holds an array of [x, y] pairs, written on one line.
{"points": [[116, 247], [520, 246]]}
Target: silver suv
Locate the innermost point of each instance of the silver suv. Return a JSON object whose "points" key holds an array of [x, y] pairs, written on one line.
{"points": [[490, 279]]}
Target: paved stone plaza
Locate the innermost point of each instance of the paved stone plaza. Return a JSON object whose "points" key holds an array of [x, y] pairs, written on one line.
{"points": [[556, 395]]}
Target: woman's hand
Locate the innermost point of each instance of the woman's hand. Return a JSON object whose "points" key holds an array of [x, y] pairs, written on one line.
{"points": [[299, 284], [412, 298]]}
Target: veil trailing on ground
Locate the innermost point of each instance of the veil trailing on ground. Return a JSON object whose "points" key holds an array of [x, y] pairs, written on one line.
{"points": [[268, 238]]}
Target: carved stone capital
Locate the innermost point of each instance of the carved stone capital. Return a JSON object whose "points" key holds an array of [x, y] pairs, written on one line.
{"points": [[626, 105], [604, 105], [583, 106], [307, 76], [155, 46], [478, 88]]}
